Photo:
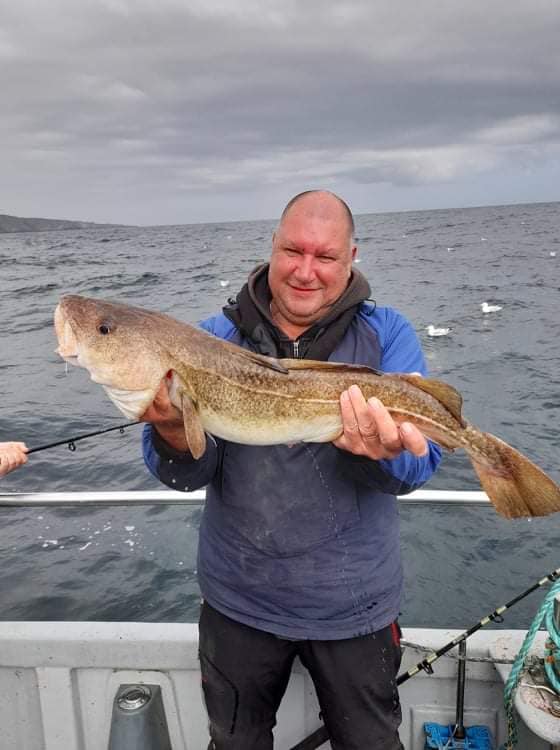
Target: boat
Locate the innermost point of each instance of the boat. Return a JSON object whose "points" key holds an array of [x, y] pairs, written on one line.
{"points": [[136, 686]]}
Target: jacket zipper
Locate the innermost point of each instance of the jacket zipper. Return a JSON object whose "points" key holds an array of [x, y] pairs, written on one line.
{"points": [[296, 349]]}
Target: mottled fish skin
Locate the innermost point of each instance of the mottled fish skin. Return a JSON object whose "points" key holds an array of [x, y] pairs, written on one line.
{"points": [[225, 390]]}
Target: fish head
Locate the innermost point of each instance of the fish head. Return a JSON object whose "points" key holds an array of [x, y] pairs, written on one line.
{"points": [[120, 346]]}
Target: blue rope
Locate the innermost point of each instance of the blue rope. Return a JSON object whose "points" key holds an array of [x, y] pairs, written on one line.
{"points": [[546, 612], [550, 648]]}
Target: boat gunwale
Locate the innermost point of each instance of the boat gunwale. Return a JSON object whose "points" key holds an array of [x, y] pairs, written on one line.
{"points": [[173, 497]]}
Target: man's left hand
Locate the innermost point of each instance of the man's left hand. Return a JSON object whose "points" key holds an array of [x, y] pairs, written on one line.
{"points": [[369, 430]]}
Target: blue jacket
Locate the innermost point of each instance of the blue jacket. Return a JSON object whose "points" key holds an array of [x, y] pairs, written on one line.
{"points": [[303, 541]]}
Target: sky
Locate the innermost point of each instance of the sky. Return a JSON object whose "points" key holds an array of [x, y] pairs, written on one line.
{"points": [[181, 111]]}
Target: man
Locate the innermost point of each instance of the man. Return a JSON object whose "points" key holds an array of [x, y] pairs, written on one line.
{"points": [[299, 545], [12, 455]]}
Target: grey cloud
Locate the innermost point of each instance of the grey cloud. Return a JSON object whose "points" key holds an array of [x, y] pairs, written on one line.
{"points": [[215, 95]]}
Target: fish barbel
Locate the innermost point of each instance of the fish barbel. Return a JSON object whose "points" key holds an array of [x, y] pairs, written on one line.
{"points": [[227, 391]]}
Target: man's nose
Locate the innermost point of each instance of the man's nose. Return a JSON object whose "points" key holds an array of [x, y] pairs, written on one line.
{"points": [[305, 270]]}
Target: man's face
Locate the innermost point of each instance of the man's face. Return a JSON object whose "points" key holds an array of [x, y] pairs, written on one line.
{"points": [[310, 265]]}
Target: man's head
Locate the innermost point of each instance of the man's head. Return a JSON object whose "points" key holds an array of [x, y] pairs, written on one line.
{"points": [[311, 262]]}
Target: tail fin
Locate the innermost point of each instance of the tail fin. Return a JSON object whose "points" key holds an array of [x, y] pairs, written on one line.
{"points": [[514, 484]]}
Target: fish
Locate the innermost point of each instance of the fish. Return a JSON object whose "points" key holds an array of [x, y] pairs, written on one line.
{"points": [[232, 393]]}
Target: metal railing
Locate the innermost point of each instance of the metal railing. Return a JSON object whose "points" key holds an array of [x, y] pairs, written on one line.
{"points": [[171, 497]]}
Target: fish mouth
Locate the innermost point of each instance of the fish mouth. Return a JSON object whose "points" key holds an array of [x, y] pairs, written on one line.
{"points": [[67, 341]]}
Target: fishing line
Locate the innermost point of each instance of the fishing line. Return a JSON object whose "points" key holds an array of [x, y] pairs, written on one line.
{"points": [[320, 736], [71, 441]]}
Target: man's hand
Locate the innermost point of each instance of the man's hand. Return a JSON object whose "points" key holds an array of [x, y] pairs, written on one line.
{"points": [[166, 419], [12, 455], [369, 430]]}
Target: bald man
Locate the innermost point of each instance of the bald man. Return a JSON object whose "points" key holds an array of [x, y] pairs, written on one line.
{"points": [[299, 545]]}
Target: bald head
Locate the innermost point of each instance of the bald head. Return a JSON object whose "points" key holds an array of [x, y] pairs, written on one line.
{"points": [[311, 262], [323, 205]]}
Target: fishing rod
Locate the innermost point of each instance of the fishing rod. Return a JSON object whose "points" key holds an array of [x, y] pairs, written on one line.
{"points": [[321, 735], [72, 441]]}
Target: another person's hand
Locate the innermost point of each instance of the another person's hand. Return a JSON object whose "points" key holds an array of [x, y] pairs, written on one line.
{"points": [[369, 430], [166, 418], [12, 455]]}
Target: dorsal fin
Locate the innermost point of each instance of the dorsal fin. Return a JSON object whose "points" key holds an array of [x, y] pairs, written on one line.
{"points": [[313, 364], [259, 359], [443, 392]]}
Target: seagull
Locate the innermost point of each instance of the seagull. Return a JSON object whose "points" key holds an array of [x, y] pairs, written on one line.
{"points": [[486, 308], [433, 331], [224, 282]]}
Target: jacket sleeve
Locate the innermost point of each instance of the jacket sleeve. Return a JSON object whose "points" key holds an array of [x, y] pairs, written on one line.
{"points": [[178, 470], [401, 352]]}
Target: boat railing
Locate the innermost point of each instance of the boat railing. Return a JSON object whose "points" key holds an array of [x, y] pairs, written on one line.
{"points": [[171, 497]]}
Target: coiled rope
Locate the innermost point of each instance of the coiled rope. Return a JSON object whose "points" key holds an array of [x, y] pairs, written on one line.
{"points": [[546, 613]]}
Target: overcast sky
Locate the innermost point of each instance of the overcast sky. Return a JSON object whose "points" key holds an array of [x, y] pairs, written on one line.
{"points": [[179, 111]]}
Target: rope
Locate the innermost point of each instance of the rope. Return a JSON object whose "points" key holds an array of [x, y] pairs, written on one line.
{"points": [[546, 612], [551, 646]]}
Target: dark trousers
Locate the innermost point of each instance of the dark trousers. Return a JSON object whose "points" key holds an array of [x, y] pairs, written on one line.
{"points": [[245, 673]]}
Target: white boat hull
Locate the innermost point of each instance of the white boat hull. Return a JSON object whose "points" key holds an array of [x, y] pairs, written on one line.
{"points": [[58, 681]]}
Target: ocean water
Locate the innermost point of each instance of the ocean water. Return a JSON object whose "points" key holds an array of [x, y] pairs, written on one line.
{"points": [[436, 267]]}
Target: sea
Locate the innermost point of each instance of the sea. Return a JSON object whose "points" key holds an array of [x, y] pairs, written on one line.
{"points": [[135, 563]]}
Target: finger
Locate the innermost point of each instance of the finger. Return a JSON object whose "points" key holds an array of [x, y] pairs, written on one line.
{"points": [[161, 399], [349, 418], [12, 446], [389, 435], [161, 409], [413, 440], [11, 458], [9, 462], [17, 458], [367, 424]]}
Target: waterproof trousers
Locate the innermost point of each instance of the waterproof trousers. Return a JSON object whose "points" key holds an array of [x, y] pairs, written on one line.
{"points": [[245, 673]]}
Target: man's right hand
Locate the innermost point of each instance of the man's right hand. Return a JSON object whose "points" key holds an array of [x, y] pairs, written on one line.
{"points": [[166, 418]]}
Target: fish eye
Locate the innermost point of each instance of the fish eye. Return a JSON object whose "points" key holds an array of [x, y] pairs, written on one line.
{"points": [[104, 329]]}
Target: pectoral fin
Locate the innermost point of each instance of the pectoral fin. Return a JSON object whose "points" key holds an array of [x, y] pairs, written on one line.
{"points": [[194, 431]]}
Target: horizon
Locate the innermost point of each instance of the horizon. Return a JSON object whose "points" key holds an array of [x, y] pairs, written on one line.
{"points": [[271, 219]]}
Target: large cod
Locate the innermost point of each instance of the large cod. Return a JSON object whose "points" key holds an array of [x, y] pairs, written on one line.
{"points": [[227, 391]]}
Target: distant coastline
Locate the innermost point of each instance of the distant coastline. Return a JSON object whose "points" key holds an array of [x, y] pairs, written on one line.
{"points": [[19, 224]]}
